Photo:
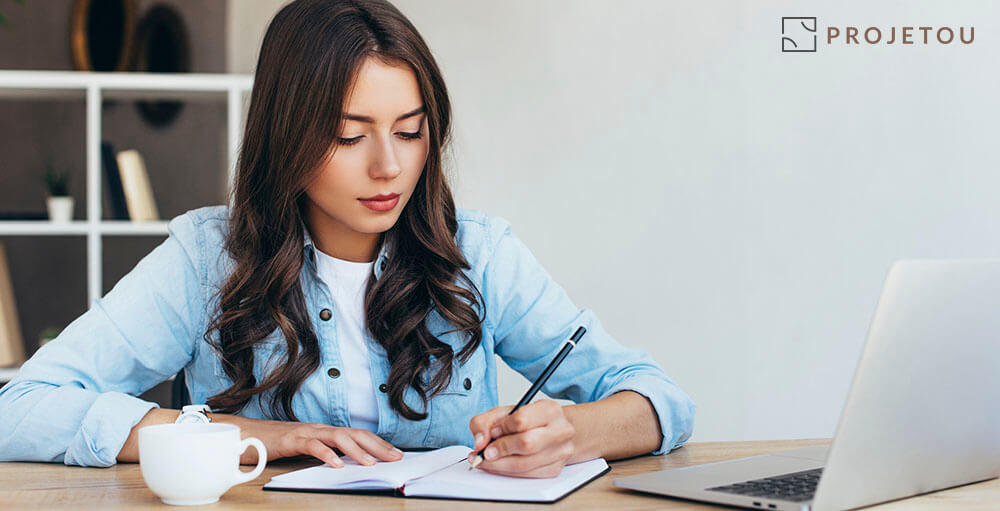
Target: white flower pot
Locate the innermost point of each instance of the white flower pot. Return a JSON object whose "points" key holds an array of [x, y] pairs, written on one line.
{"points": [[60, 209]]}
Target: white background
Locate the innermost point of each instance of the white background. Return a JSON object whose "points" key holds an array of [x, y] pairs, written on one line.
{"points": [[729, 208]]}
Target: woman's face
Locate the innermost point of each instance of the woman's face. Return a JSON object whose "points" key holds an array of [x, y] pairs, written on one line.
{"points": [[381, 150]]}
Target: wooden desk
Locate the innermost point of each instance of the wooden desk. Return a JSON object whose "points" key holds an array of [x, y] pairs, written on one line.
{"points": [[52, 486]]}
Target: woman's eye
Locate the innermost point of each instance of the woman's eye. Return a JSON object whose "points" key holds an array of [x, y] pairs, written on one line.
{"points": [[355, 140]]}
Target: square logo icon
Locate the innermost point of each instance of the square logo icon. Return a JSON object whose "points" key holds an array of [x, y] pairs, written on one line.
{"points": [[798, 34]]}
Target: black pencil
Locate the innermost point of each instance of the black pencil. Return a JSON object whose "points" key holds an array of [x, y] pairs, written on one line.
{"points": [[542, 378]]}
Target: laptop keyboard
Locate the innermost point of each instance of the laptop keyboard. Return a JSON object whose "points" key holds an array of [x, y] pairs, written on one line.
{"points": [[795, 487]]}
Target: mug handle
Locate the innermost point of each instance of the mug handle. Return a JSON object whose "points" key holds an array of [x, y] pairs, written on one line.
{"points": [[240, 476]]}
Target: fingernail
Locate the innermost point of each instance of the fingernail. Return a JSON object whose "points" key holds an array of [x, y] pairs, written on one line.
{"points": [[338, 463], [479, 439], [491, 453], [397, 451], [496, 432], [369, 460]]}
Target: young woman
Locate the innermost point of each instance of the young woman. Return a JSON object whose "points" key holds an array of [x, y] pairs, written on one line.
{"points": [[343, 305]]}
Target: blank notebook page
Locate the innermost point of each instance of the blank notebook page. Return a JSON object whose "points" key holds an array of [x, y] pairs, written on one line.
{"points": [[382, 475], [457, 481]]}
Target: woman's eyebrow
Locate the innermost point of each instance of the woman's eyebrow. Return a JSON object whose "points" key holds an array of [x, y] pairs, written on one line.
{"points": [[365, 118]]}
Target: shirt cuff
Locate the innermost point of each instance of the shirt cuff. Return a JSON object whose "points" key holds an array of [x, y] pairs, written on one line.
{"points": [[674, 409], [105, 428]]}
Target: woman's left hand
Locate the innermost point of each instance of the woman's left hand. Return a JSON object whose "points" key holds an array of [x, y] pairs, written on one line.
{"points": [[536, 441]]}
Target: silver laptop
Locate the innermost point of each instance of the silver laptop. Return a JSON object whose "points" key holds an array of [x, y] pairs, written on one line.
{"points": [[922, 414]]}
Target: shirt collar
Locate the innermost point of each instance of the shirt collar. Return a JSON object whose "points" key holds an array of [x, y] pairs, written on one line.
{"points": [[380, 261]]}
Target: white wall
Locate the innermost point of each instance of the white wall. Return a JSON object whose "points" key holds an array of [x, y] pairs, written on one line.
{"points": [[729, 208], [246, 23]]}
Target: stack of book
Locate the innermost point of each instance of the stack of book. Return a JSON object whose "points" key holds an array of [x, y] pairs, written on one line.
{"points": [[128, 185]]}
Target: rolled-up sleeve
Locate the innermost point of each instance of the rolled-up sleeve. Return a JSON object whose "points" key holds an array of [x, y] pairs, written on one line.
{"points": [[74, 400], [532, 316]]}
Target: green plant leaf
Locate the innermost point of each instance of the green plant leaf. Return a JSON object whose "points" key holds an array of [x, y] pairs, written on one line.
{"points": [[3, 19]]}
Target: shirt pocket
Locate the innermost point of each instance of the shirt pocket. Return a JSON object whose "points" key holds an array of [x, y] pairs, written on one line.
{"points": [[268, 355], [449, 412]]}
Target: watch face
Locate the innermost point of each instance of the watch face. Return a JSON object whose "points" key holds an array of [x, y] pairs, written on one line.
{"points": [[192, 417]]}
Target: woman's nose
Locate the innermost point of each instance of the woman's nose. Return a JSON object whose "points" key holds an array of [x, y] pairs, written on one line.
{"points": [[386, 164]]}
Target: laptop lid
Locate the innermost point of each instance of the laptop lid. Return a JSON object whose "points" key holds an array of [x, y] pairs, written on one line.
{"points": [[923, 411]]}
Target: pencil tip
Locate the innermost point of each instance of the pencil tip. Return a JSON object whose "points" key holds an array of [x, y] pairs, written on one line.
{"points": [[474, 462]]}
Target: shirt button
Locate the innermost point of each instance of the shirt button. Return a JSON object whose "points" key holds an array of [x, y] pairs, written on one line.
{"points": [[325, 314], [467, 384], [383, 388], [333, 372]]}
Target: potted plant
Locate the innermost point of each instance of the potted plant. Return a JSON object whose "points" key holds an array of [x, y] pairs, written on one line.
{"points": [[59, 203], [47, 335], [3, 19]]}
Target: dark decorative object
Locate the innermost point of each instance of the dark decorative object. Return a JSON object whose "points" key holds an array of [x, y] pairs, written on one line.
{"points": [[101, 33], [161, 46]]}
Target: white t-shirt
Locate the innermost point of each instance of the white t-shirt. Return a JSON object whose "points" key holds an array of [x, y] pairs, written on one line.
{"points": [[347, 280]]}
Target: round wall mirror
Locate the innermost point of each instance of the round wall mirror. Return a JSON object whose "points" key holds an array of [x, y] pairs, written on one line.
{"points": [[161, 46], [101, 34]]}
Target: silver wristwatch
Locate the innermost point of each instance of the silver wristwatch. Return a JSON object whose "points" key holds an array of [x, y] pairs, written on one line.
{"points": [[194, 414]]}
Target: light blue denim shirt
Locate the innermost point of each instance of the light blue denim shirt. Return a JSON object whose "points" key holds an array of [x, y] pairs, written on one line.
{"points": [[75, 400]]}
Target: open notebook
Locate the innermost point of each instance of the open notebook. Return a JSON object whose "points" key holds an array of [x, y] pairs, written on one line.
{"points": [[442, 473]]}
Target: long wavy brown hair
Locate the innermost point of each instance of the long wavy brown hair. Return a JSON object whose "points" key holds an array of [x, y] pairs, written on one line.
{"points": [[308, 60]]}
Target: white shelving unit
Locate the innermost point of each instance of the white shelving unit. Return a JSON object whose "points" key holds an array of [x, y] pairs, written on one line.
{"points": [[93, 88]]}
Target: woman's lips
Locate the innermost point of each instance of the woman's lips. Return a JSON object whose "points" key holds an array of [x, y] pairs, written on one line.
{"points": [[381, 202]]}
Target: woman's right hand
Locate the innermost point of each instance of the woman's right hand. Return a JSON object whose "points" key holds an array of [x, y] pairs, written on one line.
{"points": [[284, 439]]}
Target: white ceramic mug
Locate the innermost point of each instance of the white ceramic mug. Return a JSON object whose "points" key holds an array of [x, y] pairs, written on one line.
{"points": [[193, 464]]}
